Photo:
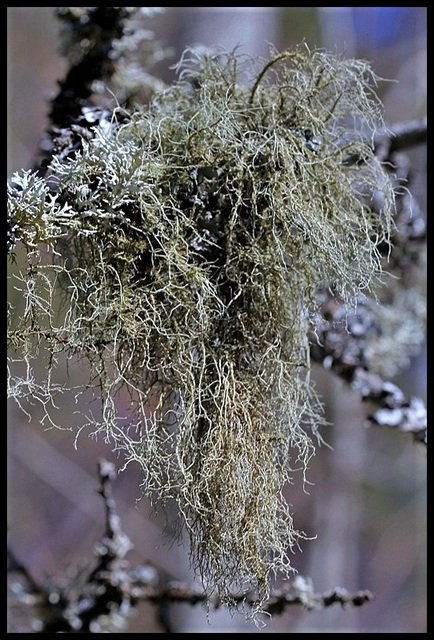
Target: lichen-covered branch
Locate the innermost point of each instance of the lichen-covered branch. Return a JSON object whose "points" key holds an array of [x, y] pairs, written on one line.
{"points": [[87, 42], [190, 238], [300, 592], [393, 408], [101, 601], [104, 597], [337, 349], [100, 45], [377, 340]]}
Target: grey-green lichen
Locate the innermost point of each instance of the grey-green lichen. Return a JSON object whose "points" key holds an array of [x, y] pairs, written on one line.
{"points": [[401, 324], [189, 240]]}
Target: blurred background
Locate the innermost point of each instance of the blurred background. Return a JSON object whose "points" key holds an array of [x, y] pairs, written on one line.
{"points": [[367, 499]]}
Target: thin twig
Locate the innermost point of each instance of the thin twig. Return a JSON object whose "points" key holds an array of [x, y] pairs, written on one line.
{"points": [[301, 592]]}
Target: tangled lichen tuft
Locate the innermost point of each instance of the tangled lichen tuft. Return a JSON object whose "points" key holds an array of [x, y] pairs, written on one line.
{"points": [[198, 232]]}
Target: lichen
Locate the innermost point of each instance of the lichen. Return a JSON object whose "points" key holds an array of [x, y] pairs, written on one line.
{"points": [[198, 230], [401, 331]]}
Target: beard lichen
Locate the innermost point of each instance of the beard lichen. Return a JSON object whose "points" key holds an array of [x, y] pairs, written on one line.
{"points": [[191, 240]]}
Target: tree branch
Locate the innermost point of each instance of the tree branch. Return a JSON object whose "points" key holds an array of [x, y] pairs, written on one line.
{"points": [[338, 345], [401, 136], [99, 27], [301, 592], [89, 34], [112, 588]]}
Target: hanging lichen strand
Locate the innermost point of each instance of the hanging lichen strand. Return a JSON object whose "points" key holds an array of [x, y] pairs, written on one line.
{"points": [[198, 232]]}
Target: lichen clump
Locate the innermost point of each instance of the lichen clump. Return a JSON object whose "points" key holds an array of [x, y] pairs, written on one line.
{"points": [[191, 240]]}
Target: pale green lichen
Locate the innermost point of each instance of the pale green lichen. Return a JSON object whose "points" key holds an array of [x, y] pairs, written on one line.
{"points": [[198, 233], [402, 329]]}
